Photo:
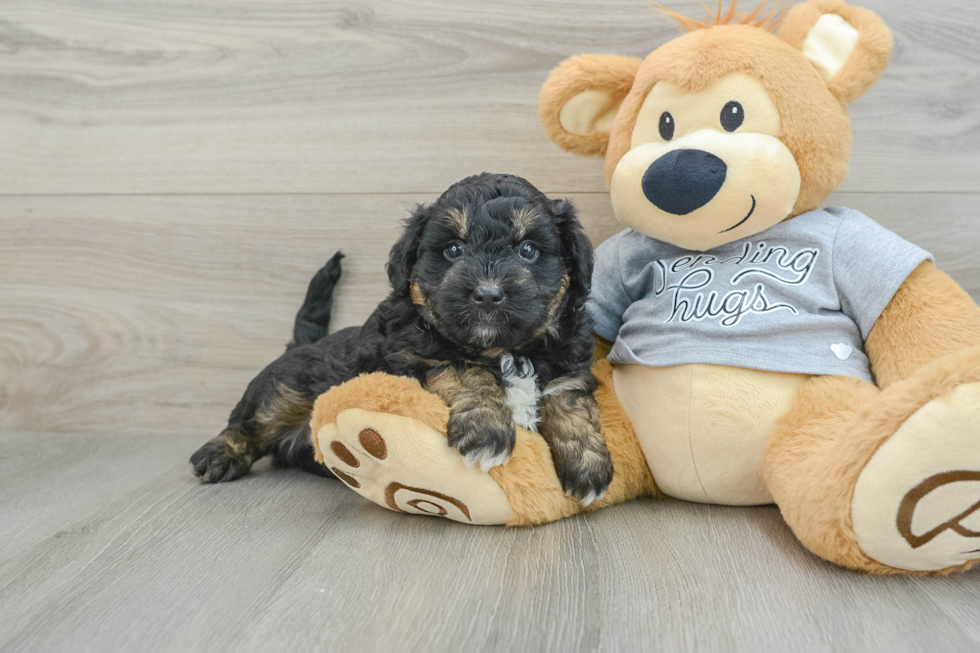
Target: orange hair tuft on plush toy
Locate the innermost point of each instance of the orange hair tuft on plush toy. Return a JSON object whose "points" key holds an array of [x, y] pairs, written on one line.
{"points": [[731, 16]]}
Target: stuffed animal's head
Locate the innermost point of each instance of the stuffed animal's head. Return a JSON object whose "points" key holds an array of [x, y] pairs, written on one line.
{"points": [[728, 129]]}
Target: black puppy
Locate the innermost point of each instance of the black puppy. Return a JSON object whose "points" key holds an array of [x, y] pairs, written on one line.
{"points": [[486, 310]]}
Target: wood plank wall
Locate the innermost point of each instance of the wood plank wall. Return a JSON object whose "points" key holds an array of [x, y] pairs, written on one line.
{"points": [[171, 174]]}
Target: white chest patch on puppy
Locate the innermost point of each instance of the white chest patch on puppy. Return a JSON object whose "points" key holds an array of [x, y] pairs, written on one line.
{"points": [[521, 390]]}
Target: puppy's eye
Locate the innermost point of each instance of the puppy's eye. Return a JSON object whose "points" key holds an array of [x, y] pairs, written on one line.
{"points": [[666, 126], [528, 251], [453, 251], [732, 116]]}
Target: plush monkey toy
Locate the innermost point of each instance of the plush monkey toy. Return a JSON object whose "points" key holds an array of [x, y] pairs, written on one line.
{"points": [[764, 350]]}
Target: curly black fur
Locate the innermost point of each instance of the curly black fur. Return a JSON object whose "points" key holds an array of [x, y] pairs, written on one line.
{"points": [[431, 322]]}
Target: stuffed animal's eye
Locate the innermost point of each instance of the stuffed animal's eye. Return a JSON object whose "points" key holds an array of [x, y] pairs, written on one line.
{"points": [[732, 116], [453, 251], [666, 126], [528, 251]]}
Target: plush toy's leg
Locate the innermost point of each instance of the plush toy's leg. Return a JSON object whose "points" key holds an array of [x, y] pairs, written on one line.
{"points": [[884, 481], [384, 436], [888, 481]]}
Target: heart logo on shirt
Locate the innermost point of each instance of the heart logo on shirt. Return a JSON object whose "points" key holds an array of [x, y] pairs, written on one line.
{"points": [[842, 350]]}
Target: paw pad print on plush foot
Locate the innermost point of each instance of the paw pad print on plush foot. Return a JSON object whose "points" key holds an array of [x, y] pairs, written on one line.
{"points": [[405, 466]]}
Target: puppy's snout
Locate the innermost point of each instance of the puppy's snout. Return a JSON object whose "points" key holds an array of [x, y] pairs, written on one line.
{"points": [[487, 296], [683, 181]]}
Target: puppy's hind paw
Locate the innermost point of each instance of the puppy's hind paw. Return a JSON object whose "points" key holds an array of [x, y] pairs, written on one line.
{"points": [[218, 461]]}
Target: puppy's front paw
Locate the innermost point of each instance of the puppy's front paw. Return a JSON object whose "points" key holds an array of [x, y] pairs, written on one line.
{"points": [[220, 460], [483, 441], [585, 476]]}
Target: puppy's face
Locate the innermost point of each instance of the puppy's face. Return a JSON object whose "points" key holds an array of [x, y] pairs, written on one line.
{"points": [[493, 263]]}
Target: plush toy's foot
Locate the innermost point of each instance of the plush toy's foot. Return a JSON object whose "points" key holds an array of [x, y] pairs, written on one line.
{"points": [[406, 466], [885, 481], [384, 436], [916, 505]]}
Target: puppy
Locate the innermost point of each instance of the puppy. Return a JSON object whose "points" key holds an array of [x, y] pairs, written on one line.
{"points": [[486, 310]]}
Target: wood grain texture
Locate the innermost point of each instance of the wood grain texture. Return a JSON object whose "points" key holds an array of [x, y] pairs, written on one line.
{"points": [[172, 173], [285, 561], [394, 95], [151, 314]]}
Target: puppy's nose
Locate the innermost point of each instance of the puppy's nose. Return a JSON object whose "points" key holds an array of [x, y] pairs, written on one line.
{"points": [[488, 296], [683, 181]]}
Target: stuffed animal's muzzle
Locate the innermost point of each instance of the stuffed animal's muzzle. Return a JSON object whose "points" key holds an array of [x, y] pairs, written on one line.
{"points": [[707, 188]]}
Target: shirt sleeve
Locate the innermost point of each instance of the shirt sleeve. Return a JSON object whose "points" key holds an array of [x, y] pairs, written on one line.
{"points": [[608, 299], [870, 263]]}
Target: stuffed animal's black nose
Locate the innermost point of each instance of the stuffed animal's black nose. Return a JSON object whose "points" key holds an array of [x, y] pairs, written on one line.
{"points": [[683, 181], [488, 296]]}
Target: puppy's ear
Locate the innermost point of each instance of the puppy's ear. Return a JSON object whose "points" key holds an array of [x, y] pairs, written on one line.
{"points": [[405, 252], [576, 251]]}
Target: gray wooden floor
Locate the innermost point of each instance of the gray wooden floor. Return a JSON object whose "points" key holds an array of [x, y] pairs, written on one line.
{"points": [[172, 173]]}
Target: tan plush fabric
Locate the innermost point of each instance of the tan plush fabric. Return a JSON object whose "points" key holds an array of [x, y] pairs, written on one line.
{"points": [[815, 126], [929, 317], [925, 345], [609, 75], [822, 444]]}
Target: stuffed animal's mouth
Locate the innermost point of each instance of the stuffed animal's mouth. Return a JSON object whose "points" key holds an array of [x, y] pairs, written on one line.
{"points": [[742, 221]]}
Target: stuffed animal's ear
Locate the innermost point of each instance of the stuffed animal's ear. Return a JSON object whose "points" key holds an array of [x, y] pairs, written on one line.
{"points": [[849, 46], [405, 252], [580, 99], [577, 253]]}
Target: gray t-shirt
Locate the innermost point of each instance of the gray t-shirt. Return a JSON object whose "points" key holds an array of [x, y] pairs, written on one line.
{"points": [[799, 297]]}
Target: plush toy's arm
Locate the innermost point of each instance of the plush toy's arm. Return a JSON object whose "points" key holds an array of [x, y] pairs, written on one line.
{"points": [[929, 317]]}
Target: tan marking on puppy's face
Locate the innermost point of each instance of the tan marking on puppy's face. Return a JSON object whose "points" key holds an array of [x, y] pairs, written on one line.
{"points": [[459, 222], [551, 324], [418, 299], [416, 293], [523, 219], [706, 168], [565, 281]]}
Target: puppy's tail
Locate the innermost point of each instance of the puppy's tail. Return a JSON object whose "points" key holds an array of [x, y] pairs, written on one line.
{"points": [[313, 317]]}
